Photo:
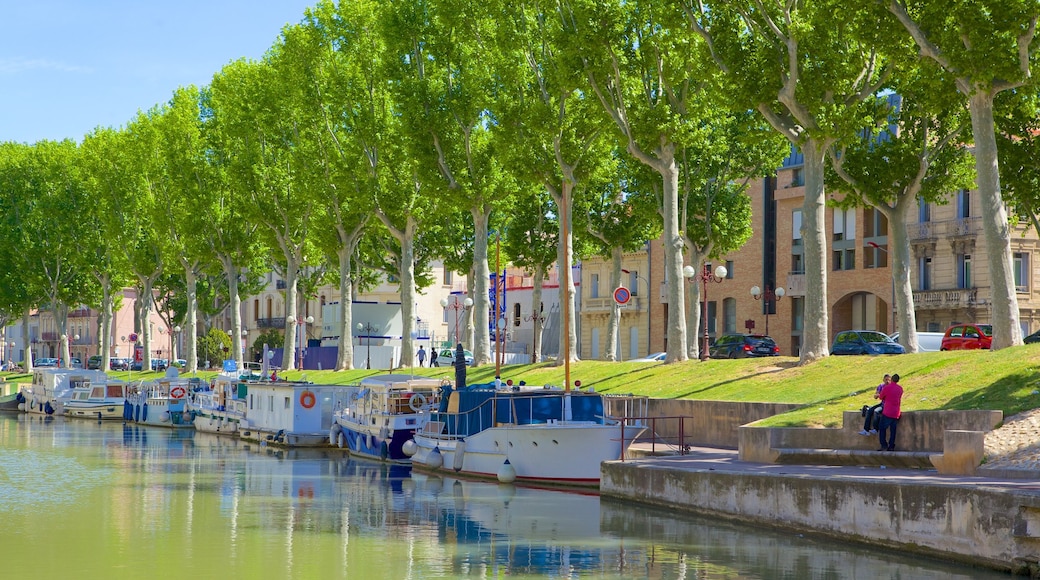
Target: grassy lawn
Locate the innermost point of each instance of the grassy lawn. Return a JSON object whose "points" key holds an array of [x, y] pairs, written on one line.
{"points": [[1007, 380]]}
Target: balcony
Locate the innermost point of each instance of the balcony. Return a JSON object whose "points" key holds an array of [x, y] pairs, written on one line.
{"points": [[80, 313], [962, 227], [946, 299], [602, 305], [278, 322]]}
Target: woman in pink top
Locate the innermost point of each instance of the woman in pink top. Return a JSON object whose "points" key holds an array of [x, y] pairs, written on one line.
{"points": [[891, 396]]}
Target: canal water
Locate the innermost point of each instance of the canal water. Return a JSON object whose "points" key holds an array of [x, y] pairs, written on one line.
{"points": [[86, 500]]}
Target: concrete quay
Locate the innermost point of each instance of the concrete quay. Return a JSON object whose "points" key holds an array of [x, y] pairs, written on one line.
{"points": [[976, 520]]}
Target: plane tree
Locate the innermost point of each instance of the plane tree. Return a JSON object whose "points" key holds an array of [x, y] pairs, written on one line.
{"points": [[987, 50], [805, 72], [918, 157]]}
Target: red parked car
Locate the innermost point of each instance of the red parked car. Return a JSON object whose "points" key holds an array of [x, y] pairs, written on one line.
{"points": [[967, 337]]}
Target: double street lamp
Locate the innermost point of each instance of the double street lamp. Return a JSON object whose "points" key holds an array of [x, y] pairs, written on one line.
{"points": [[369, 328], [705, 276], [770, 296], [458, 307]]}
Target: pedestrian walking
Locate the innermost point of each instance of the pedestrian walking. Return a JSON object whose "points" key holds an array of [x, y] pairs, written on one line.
{"points": [[422, 355]]}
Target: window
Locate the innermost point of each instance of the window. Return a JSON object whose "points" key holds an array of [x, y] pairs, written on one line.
{"points": [[797, 177], [798, 314], [924, 211], [729, 269], [875, 257], [796, 227], [797, 264], [729, 315], [594, 286], [964, 271], [844, 224], [844, 259], [963, 204], [1021, 267], [876, 224], [633, 282], [516, 314], [924, 273], [447, 277], [286, 403]]}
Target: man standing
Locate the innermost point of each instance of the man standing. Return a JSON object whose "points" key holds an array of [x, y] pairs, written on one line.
{"points": [[422, 355], [891, 396]]}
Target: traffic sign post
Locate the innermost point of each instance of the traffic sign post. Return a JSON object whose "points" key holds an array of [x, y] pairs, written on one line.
{"points": [[622, 295]]}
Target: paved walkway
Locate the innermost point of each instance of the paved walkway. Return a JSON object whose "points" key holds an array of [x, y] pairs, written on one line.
{"points": [[727, 460]]}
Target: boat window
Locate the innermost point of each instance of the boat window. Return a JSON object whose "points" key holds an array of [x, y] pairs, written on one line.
{"points": [[286, 403], [114, 391], [98, 392]]}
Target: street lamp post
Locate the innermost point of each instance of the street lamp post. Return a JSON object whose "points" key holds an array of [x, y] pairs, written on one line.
{"points": [[369, 328], [705, 276], [770, 296], [458, 307]]}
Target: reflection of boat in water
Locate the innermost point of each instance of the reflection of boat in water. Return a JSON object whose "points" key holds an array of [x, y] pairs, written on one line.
{"points": [[383, 416], [537, 435]]}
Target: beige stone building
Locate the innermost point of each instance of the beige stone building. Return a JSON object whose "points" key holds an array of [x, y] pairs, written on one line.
{"points": [[949, 274]]}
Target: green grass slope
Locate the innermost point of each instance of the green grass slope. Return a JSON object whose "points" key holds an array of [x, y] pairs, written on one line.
{"points": [[1007, 380]]}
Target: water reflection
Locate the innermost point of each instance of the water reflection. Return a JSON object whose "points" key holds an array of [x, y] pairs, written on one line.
{"points": [[108, 500]]}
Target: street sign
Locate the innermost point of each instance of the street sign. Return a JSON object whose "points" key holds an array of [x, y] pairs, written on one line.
{"points": [[622, 295], [133, 337]]}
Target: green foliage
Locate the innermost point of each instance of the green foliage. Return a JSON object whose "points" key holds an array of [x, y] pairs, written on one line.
{"points": [[214, 346], [272, 337]]}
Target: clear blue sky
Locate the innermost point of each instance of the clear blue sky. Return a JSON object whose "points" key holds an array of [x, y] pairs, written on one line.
{"points": [[68, 66]]}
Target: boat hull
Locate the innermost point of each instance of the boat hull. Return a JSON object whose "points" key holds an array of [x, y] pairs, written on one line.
{"points": [[110, 410], [371, 443], [563, 453]]}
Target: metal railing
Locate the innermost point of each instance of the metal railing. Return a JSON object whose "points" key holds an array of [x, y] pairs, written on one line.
{"points": [[649, 424]]}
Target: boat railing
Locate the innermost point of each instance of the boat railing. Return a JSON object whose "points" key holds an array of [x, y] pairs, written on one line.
{"points": [[522, 408]]}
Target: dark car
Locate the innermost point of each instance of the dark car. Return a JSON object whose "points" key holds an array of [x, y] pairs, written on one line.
{"points": [[119, 364], [865, 342], [967, 337], [1035, 337], [94, 362], [743, 346]]}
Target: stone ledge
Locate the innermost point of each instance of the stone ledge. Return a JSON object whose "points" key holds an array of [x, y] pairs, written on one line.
{"points": [[906, 459]]}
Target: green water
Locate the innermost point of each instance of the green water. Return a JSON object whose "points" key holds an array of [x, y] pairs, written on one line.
{"points": [[85, 500]]}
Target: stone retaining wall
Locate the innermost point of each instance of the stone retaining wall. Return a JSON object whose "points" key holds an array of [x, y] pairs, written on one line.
{"points": [[973, 524]]}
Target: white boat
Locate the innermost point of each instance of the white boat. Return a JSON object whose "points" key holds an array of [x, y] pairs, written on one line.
{"points": [[163, 402], [220, 407], [291, 414], [537, 435], [52, 387], [384, 416], [98, 400]]}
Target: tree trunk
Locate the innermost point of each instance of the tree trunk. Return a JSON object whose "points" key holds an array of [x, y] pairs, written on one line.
{"points": [[236, 318], [614, 323], [26, 316], [345, 358], [903, 295], [536, 313], [291, 283], [815, 343], [673, 256], [1005, 314], [481, 344], [408, 291], [568, 333], [191, 356]]}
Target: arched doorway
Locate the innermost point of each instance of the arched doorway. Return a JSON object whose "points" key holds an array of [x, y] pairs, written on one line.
{"points": [[861, 311]]}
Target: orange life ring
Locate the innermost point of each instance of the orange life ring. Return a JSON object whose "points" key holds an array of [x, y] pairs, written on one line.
{"points": [[178, 392], [307, 399]]}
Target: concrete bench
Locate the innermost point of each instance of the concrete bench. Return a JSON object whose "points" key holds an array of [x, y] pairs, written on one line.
{"points": [[950, 441]]}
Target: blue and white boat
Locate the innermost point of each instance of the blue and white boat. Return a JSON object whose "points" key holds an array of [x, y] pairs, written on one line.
{"points": [[97, 400], [545, 435], [384, 415], [163, 402], [52, 387]]}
